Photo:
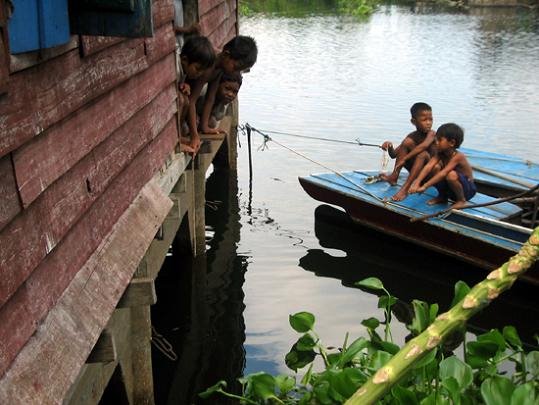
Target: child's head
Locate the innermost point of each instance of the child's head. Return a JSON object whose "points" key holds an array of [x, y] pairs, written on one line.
{"points": [[421, 117], [452, 133], [239, 54], [229, 86], [197, 55]]}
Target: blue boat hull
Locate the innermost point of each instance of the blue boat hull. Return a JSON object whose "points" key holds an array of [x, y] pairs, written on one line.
{"points": [[478, 239]]}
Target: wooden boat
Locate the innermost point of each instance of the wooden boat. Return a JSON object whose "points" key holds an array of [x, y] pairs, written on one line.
{"points": [[483, 236], [501, 175]]}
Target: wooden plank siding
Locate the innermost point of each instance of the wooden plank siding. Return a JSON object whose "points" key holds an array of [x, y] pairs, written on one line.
{"points": [[82, 134], [61, 205], [10, 205], [44, 159], [38, 294], [218, 20]]}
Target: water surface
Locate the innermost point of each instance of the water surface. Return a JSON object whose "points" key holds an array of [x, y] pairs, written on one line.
{"points": [[340, 78]]}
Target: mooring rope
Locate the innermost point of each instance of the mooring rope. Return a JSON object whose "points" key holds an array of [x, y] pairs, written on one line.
{"points": [[356, 142], [267, 138]]}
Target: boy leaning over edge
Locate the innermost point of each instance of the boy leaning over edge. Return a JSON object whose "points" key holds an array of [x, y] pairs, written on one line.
{"points": [[227, 92], [239, 54], [414, 151], [449, 170], [197, 56]]}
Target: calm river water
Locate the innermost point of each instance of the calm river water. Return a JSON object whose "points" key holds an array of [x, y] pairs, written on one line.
{"points": [[340, 78]]}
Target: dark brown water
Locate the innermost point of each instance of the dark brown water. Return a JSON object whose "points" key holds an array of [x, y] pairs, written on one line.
{"points": [[273, 251]]}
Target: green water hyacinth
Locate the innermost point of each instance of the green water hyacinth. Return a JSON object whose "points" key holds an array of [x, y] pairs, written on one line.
{"points": [[424, 371]]}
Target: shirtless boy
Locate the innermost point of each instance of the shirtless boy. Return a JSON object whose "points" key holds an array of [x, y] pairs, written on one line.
{"points": [[414, 151], [449, 170], [239, 54]]}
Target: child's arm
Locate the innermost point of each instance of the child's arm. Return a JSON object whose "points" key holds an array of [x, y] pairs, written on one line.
{"points": [[208, 105], [192, 112], [387, 145], [423, 146], [190, 29], [416, 185], [455, 161]]}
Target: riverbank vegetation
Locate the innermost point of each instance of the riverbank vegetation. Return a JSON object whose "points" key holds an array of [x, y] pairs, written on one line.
{"points": [[295, 8], [437, 366]]}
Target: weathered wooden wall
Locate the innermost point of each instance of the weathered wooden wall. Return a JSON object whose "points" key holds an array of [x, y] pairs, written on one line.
{"points": [[80, 135], [218, 20], [85, 128]]}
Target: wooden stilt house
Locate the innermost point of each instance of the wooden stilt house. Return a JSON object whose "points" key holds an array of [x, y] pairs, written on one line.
{"points": [[88, 161]]}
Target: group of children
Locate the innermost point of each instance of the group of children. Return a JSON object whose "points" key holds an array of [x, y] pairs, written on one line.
{"points": [[207, 82], [432, 159]]}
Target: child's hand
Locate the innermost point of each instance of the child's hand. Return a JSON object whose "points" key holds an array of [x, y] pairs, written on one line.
{"points": [[185, 89], [421, 189], [413, 188], [387, 145]]}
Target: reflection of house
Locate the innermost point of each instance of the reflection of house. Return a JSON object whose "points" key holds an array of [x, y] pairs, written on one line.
{"points": [[88, 133]]}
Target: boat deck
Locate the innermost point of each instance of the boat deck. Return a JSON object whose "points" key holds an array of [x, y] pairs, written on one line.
{"points": [[497, 171], [481, 222]]}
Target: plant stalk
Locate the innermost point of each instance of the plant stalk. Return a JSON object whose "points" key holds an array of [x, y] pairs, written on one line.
{"points": [[478, 297]]}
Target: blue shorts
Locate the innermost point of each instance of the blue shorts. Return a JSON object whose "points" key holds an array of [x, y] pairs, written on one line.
{"points": [[468, 186]]}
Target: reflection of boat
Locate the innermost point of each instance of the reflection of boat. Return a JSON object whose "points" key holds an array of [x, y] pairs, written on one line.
{"points": [[350, 253], [482, 236]]}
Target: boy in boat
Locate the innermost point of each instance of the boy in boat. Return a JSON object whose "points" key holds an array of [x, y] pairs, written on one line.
{"points": [[197, 56], [414, 151], [239, 54], [449, 170], [226, 93]]}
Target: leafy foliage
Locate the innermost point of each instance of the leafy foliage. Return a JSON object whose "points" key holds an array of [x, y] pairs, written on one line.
{"points": [[439, 378]]}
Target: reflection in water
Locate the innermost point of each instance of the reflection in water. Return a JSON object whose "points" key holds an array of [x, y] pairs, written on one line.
{"points": [[410, 272], [200, 306]]}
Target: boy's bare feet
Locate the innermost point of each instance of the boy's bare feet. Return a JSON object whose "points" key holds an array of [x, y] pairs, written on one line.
{"points": [[400, 195], [437, 200], [458, 205], [390, 178]]}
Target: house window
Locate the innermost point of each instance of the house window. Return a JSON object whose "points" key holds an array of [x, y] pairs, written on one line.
{"points": [[40, 24]]}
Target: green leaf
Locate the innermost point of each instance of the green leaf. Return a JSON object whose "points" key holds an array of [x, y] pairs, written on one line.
{"points": [[404, 396], [372, 283], [389, 347], [285, 383], [218, 387], [386, 300], [497, 391], [532, 363], [452, 386], [524, 395], [305, 343], [433, 312], [352, 351], [511, 336], [296, 359], [429, 357], [321, 392], [457, 369], [434, 399], [302, 321], [479, 352], [421, 317], [306, 380], [379, 359], [461, 289], [493, 336], [370, 323], [263, 386]]}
